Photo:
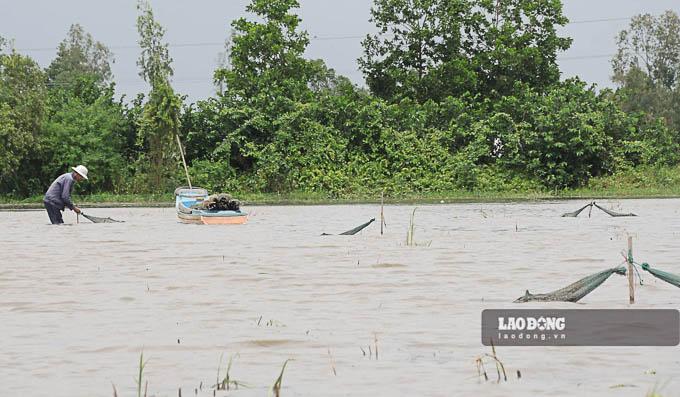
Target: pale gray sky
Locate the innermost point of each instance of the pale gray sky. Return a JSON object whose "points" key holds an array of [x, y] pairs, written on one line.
{"points": [[197, 29]]}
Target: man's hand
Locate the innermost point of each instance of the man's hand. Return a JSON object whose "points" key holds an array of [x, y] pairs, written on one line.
{"points": [[76, 210]]}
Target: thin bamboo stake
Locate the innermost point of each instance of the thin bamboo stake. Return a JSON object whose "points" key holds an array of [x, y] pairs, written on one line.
{"points": [[382, 213], [631, 283], [181, 152]]}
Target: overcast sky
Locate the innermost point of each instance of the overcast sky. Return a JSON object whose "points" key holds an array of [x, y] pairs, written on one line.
{"points": [[197, 29]]}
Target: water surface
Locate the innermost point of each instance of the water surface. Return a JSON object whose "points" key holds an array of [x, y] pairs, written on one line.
{"points": [[79, 303]]}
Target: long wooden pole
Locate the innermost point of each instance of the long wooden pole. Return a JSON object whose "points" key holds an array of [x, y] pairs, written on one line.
{"points": [[181, 152], [382, 213], [631, 282]]}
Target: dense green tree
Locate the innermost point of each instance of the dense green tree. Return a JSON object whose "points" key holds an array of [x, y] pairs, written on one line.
{"points": [[562, 138], [651, 45], [159, 122], [266, 56], [463, 94], [430, 49], [80, 132], [80, 59], [516, 41], [22, 107], [418, 51], [264, 77], [647, 69]]}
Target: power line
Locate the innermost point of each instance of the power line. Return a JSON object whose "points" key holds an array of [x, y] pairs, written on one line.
{"points": [[312, 38], [599, 20], [577, 57]]}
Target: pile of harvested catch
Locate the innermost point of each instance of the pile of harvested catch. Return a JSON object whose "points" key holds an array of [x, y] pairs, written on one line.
{"points": [[219, 202]]}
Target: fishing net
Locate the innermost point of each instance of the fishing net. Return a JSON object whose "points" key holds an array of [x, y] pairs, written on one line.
{"points": [[578, 211], [612, 213], [219, 202], [660, 274], [357, 229], [97, 219], [574, 292], [354, 231], [594, 204]]}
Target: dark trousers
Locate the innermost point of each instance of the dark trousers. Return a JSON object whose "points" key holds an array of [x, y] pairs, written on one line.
{"points": [[54, 213]]}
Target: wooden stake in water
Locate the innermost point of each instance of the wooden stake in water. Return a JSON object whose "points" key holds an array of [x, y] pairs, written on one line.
{"points": [[631, 282], [382, 213]]}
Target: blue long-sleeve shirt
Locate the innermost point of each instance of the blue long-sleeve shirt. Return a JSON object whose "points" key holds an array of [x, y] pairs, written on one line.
{"points": [[59, 192]]}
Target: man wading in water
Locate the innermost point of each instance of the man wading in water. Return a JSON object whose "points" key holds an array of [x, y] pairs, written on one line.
{"points": [[58, 196]]}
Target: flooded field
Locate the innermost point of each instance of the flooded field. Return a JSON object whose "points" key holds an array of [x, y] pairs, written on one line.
{"points": [[79, 303]]}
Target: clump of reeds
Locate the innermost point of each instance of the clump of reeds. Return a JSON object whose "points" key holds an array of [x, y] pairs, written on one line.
{"points": [[227, 381], [372, 349], [500, 367]]}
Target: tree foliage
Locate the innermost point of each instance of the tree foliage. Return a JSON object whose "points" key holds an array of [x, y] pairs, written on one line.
{"points": [[431, 49], [647, 69], [79, 132], [154, 61], [22, 108], [79, 57], [651, 45], [266, 57], [159, 122], [462, 95]]}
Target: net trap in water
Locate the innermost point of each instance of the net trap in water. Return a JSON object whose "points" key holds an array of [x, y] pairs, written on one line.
{"points": [[97, 219], [590, 206]]}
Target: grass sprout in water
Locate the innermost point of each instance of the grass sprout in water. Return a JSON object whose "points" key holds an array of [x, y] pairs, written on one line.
{"points": [[276, 387], [227, 381], [410, 232]]}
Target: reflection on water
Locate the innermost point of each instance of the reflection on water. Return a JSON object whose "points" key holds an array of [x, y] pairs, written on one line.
{"points": [[79, 303]]}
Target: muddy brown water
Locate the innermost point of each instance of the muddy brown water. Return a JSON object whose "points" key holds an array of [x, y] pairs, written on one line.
{"points": [[79, 303]]}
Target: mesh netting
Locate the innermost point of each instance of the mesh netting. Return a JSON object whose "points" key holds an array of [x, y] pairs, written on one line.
{"points": [[357, 229], [660, 274], [578, 211], [594, 204], [575, 291], [97, 219], [612, 213], [354, 231]]}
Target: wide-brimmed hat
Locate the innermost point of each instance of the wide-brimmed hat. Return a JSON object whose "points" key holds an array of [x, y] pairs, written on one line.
{"points": [[81, 170]]}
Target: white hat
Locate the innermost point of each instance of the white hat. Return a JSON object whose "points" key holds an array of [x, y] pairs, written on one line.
{"points": [[81, 170]]}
